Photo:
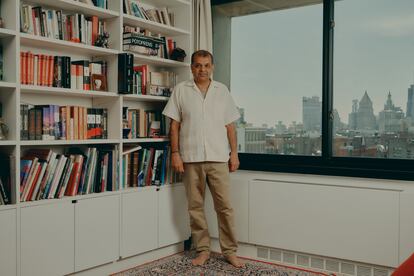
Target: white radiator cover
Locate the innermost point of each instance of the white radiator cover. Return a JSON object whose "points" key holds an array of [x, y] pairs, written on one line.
{"points": [[353, 223], [361, 220]]}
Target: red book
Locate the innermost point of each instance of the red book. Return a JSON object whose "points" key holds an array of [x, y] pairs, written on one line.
{"points": [[38, 70], [31, 68], [73, 182], [33, 184], [22, 67], [44, 69], [95, 29], [170, 46], [51, 62]]}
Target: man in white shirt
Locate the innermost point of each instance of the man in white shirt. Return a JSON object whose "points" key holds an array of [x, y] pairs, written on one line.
{"points": [[202, 114]]}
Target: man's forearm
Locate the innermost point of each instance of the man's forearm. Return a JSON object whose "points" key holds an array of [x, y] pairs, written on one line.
{"points": [[232, 137], [174, 137]]}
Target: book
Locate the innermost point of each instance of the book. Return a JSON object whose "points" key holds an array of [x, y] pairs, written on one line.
{"points": [[128, 149]]}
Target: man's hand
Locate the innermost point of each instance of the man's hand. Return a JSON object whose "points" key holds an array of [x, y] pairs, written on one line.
{"points": [[177, 163], [234, 162]]}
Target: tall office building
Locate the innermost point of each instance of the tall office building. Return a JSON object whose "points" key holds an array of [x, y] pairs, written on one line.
{"points": [[390, 118], [352, 117], [410, 102], [311, 113], [365, 116]]}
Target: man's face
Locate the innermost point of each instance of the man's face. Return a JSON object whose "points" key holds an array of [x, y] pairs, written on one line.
{"points": [[202, 68]]}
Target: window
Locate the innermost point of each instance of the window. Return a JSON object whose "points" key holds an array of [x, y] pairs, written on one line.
{"points": [[347, 62], [276, 79], [374, 79]]}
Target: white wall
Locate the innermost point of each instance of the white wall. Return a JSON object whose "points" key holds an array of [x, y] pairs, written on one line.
{"points": [[356, 219]]}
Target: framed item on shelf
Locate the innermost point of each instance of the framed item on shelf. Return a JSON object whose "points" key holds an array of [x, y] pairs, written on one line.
{"points": [[98, 82]]}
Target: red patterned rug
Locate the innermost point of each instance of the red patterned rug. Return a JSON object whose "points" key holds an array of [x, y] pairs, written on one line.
{"points": [[180, 264]]}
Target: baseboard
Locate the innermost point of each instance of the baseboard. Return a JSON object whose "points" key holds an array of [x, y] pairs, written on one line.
{"points": [[133, 261], [308, 261]]}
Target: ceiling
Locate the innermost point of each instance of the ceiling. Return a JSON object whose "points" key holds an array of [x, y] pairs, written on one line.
{"points": [[244, 7]]}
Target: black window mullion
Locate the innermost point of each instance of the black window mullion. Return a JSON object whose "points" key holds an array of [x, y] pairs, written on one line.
{"points": [[327, 79]]}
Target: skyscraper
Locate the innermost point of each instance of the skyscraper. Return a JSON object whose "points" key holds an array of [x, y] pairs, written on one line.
{"points": [[352, 117], [390, 118], [311, 113], [365, 117], [410, 102]]}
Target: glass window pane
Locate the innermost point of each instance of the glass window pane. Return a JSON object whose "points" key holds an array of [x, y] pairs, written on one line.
{"points": [[276, 80], [373, 79]]}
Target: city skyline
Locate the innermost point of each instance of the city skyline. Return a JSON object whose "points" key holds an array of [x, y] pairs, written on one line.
{"points": [[344, 120], [371, 49]]}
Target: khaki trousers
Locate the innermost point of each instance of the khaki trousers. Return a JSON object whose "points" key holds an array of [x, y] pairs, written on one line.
{"points": [[216, 175]]}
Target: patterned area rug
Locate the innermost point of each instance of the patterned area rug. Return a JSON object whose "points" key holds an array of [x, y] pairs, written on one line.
{"points": [[180, 264]]}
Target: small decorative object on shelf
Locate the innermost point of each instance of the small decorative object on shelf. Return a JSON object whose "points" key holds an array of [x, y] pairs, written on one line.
{"points": [[102, 40], [4, 129], [98, 82], [178, 54], [125, 133]]}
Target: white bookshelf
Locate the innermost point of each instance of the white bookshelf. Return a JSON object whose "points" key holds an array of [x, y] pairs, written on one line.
{"points": [[67, 219], [7, 32], [5, 84], [153, 26], [66, 92], [169, 3], [69, 142], [138, 58], [66, 199], [79, 7], [144, 140], [147, 98], [66, 46]]}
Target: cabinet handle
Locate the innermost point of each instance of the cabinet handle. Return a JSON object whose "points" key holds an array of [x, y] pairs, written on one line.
{"points": [[74, 201]]}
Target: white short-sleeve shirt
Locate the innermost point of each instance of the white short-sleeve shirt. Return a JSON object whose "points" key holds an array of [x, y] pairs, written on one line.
{"points": [[203, 134]]}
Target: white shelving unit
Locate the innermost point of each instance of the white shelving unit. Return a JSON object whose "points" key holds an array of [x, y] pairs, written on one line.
{"points": [[62, 227]]}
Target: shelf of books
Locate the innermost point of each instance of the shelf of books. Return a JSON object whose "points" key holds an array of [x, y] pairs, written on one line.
{"points": [[102, 8], [81, 109]]}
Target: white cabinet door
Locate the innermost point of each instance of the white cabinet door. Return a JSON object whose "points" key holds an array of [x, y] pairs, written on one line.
{"points": [[173, 220], [139, 222], [47, 239], [8, 242], [96, 231]]}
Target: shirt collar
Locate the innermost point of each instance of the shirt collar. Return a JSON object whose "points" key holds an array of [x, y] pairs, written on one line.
{"points": [[192, 83]]}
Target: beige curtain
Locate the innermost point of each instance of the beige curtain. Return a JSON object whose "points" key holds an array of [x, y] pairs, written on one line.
{"points": [[203, 33]]}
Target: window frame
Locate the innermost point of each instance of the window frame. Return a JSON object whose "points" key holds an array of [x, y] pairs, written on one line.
{"points": [[327, 164]]}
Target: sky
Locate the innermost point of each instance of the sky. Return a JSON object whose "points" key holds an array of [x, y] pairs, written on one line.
{"points": [[276, 58]]}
